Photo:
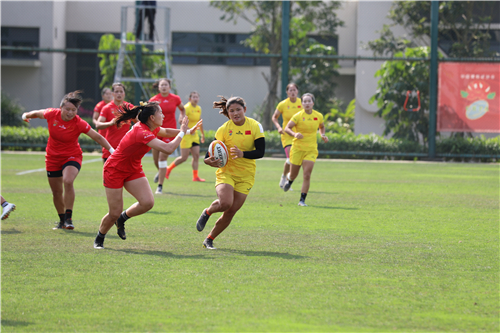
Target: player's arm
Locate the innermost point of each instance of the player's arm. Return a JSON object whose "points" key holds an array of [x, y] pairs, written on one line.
{"points": [[202, 134], [95, 116], [275, 121], [258, 152], [182, 113], [33, 114], [101, 123], [169, 148], [322, 131], [289, 131], [171, 132], [100, 140]]}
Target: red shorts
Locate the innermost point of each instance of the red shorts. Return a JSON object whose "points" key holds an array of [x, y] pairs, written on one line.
{"points": [[113, 178], [55, 163], [166, 140]]}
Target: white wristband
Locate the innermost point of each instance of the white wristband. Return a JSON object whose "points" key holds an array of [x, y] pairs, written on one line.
{"points": [[24, 116], [111, 150], [188, 132], [181, 134]]}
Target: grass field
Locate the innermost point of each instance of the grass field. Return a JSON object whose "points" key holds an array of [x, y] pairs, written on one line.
{"points": [[382, 247]]}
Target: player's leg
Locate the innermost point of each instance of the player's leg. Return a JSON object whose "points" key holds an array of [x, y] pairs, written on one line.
{"points": [[294, 172], [178, 161], [286, 166], [224, 201], [195, 152], [7, 208], [114, 197], [155, 161], [70, 171], [56, 186], [307, 167], [141, 191], [162, 170]]}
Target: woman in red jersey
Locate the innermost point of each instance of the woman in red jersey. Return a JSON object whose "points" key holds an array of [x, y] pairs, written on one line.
{"points": [[123, 169], [63, 158], [106, 120], [168, 103], [107, 96]]}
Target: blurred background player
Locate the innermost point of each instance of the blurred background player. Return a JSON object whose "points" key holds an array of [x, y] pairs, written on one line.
{"points": [[191, 143], [63, 158], [7, 208], [123, 169], [287, 108], [244, 139], [305, 145], [107, 96], [168, 104], [106, 120]]}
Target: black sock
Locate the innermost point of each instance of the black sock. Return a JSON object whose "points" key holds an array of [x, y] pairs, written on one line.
{"points": [[160, 187], [68, 214], [61, 217], [100, 236], [303, 196], [123, 217], [5, 204]]}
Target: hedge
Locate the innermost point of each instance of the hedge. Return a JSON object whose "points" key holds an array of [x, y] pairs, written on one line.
{"points": [[339, 145]]}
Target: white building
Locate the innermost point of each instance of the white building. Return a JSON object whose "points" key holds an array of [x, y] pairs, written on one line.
{"points": [[41, 81]]}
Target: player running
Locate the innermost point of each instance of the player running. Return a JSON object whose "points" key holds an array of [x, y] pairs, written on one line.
{"points": [[244, 139], [123, 169], [63, 158], [304, 145], [168, 103], [191, 143], [106, 120], [287, 108], [7, 208]]}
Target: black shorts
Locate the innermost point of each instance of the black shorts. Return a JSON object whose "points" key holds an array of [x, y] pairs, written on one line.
{"points": [[59, 173]]}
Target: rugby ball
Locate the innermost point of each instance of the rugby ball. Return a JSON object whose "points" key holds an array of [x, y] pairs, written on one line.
{"points": [[219, 150]]}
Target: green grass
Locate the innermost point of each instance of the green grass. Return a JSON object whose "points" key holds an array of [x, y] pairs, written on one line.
{"points": [[382, 247]]}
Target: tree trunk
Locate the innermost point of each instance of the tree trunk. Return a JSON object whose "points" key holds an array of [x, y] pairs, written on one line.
{"points": [[269, 103]]}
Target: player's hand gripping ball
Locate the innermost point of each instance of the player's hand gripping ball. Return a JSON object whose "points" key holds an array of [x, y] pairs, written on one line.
{"points": [[218, 150]]}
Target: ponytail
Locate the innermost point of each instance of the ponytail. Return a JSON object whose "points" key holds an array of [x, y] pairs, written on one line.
{"points": [[141, 112], [224, 104]]}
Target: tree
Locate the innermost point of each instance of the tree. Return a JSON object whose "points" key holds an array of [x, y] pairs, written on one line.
{"points": [[11, 112], [152, 65], [265, 17], [464, 31]]}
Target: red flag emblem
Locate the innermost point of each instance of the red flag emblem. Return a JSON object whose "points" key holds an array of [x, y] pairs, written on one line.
{"points": [[315, 118], [248, 132]]}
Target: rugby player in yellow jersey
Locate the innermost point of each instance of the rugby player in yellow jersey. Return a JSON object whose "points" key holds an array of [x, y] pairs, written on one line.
{"points": [[304, 145], [244, 139], [287, 108], [191, 143]]}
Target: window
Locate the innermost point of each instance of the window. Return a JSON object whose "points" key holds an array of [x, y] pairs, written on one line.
{"points": [[211, 43], [29, 37]]}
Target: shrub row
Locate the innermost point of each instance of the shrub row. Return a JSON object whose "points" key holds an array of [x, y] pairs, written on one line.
{"points": [[339, 145]]}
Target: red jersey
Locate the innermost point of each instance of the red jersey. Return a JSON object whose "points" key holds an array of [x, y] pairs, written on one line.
{"points": [[113, 134], [98, 107], [63, 135], [168, 105], [129, 153]]}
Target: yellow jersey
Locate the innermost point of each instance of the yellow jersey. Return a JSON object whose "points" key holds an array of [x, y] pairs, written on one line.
{"points": [[287, 110], [307, 125], [243, 137], [193, 113]]}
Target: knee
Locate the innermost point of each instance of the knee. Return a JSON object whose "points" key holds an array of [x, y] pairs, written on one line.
{"points": [[307, 176], [225, 205], [148, 204], [67, 183], [114, 215]]}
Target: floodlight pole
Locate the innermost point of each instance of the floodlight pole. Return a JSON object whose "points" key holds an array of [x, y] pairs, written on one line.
{"points": [[285, 42], [138, 52], [433, 78]]}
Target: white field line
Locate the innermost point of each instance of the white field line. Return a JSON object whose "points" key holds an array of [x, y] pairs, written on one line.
{"points": [[43, 169]]}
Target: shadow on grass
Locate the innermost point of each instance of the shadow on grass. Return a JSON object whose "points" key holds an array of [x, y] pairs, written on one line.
{"points": [[319, 192], [10, 232], [189, 195], [157, 213], [265, 254], [163, 254], [15, 323]]}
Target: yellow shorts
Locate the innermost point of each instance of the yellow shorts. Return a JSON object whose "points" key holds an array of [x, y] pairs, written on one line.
{"points": [[286, 140], [240, 184], [297, 156], [188, 140]]}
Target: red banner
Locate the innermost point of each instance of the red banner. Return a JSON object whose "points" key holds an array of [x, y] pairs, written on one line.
{"points": [[468, 97]]}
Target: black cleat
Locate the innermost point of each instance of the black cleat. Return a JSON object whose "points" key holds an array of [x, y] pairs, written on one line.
{"points": [[287, 186], [59, 225], [120, 230], [68, 224], [202, 220], [98, 244], [209, 244]]}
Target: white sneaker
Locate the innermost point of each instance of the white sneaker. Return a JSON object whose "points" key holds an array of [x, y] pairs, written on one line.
{"points": [[7, 210], [282, 181], [302, 203], [158, 191]]}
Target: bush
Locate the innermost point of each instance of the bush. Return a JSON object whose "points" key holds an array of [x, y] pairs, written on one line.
{"points": [[11, 112], [354, 146]]}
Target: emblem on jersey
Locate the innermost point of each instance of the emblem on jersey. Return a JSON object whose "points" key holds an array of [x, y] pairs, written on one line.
{"points": [[248, 132], [299, 106], [239, 133], [315, 118], [230, 132], [303, 118]]}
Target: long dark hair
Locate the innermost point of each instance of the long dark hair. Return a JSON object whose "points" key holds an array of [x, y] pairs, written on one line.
{"points": [[224, 104], [142, 112], [156, 85], [72, 97]]}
